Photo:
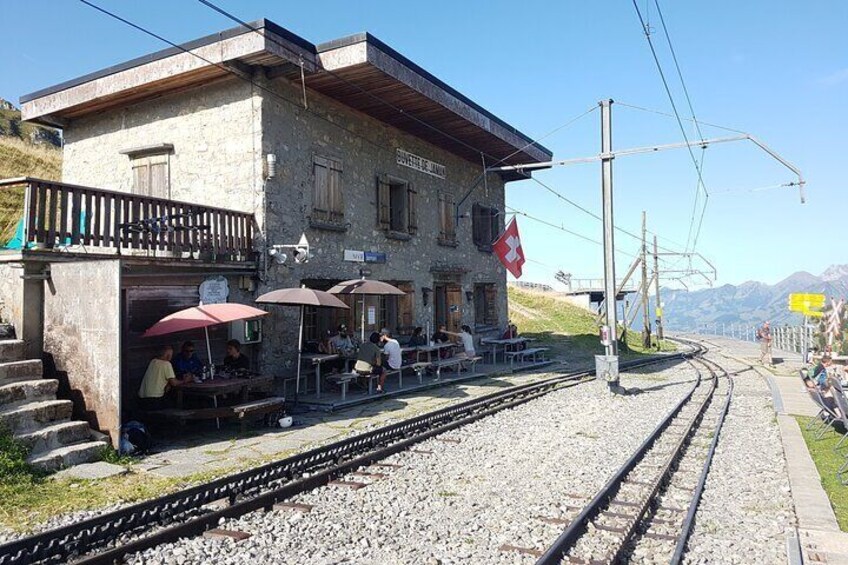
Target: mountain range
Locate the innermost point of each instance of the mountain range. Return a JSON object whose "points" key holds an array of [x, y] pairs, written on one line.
{"points": [[749, 303]]}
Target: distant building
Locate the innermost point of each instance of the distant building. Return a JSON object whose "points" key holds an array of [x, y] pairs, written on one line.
{"points": [[373, 156]]}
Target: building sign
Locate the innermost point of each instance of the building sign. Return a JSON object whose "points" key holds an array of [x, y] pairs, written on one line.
{"points": [[427, 166], [375, 257], [354, 256], [214, 290]]}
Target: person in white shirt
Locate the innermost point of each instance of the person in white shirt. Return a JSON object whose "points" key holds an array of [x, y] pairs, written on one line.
{"points": [[391, 349], [467, 340]]}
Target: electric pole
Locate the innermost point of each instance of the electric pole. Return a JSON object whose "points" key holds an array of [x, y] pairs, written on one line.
{"points": [[657, 283], [646, 317], [607, 156]]}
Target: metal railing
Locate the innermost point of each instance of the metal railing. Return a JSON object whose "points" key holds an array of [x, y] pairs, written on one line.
{"points": [[784, 338], [62, 217]]}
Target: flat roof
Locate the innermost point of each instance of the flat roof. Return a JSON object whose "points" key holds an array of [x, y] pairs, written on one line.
{"points": [[348, 69]]}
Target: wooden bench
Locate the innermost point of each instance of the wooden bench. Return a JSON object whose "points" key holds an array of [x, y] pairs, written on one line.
{"points": [[243, 412], [250, 410], [343, 380], [522, 355], [459, 362]]}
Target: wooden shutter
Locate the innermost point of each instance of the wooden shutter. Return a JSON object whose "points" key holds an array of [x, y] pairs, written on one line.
{"points": [[491, 316], [320, 192], [159, 179], [411, 209], [494, 225], [477, 224], [447, 230], [141, 178], [384, 216], [334, 186]]}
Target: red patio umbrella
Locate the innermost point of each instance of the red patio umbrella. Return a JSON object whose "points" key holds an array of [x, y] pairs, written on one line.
{"points": [[203, 316], [301, 297]]}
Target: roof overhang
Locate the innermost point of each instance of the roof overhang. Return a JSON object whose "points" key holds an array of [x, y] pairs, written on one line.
{"points": [[359, 71]]}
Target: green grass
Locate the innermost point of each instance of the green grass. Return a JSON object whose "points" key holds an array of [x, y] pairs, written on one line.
{"points": [[21, 159], [827, 462], [563, 326]]}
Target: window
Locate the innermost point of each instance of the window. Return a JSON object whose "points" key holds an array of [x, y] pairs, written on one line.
{"points": [[485, 304], [485, 226], [397, 203], [327, 201], [150, 176], [447, 220]]}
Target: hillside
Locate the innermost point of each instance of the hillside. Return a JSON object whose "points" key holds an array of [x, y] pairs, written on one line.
{"points": [[749, 303], [19, 158], [570, 331], [12, 126]]}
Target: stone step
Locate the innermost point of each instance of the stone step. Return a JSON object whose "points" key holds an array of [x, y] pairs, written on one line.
{"points": [[28, 391], [56, 435], [30, 416], [12, 371], [11, 349], [68, 455]]}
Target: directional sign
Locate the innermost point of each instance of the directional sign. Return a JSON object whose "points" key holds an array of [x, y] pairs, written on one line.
{"points": [[801, 302]]}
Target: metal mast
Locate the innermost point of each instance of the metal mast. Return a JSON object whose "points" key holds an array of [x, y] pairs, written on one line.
{"points": [[609, 237]]}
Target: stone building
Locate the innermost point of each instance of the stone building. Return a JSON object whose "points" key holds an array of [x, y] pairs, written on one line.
{"points": [[378, 164]]}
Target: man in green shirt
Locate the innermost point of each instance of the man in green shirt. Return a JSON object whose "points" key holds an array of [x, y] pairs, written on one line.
{"points": [[158, 379]]}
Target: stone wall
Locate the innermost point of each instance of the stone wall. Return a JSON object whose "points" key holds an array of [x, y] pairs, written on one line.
{"points": [[215, 131], [295, 135], [82, 329], [11, 294]]}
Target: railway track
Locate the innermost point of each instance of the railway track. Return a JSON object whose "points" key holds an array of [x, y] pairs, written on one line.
{"points": [[108, 538], [645, 512]]}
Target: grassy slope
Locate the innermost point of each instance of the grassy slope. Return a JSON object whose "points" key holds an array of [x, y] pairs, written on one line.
{"points": [[560, 325], [21, 159], [827, 462]]}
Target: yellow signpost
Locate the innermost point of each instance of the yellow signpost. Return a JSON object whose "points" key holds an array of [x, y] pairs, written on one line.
{"points": [[808, 304]]}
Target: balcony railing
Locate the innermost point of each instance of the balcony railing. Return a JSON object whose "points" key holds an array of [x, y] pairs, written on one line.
{"points": [[61, 216]]}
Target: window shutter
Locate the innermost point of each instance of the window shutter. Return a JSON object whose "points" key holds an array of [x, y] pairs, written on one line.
{"points": [[159, 180], [412, 209], [320, 193], [141, 178], [443, 228], [336, 197], [476, 224], [384, 217], [450, 217], [491, 316], [494, 226]]}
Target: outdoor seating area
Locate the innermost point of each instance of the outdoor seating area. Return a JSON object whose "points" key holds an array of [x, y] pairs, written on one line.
{"points": [[825, 385]]}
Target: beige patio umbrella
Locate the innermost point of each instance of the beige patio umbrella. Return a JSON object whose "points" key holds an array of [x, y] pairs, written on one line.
{"points": [[364, 287], [302, 297]]}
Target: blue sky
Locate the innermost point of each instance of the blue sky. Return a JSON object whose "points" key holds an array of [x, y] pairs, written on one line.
{"points": [[774, 68]]}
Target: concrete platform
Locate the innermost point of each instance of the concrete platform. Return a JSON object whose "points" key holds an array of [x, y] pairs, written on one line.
{"points": [[819, 536], [330, 399]]}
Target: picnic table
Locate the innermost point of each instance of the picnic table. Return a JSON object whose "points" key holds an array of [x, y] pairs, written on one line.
{"points": [[213, 388], [317, 359], [429, 349], [506, 343]]}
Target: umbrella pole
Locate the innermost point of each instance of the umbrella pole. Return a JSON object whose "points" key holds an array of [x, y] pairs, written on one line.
{"points": [[362, 322], [208, 348], [299, 353]]}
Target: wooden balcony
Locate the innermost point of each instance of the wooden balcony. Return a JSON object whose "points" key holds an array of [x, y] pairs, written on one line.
{"points": [[62, 217]]}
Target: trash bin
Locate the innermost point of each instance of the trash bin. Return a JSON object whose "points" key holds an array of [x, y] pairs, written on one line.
{"points": [[606, 367]]}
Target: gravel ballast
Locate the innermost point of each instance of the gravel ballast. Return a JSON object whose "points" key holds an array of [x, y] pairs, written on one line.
{"points": [[461, 500]]}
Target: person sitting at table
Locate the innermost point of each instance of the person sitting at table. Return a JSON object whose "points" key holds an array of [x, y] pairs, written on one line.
{"points": [[235, 360], [391, 349], [158, 380], [342, 342], [512, 333], [441, 336], [467, 339], [417, 339], [369, 361], [187, 363]]}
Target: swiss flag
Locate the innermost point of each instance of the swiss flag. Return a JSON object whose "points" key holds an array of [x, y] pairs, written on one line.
{"points": [[508, 249]]}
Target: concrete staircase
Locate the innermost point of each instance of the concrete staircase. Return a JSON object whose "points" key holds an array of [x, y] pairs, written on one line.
{"points": [[30, 409]]}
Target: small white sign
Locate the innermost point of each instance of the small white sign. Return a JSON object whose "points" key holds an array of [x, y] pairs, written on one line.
{"points": [[214, 290], [427, 166], [354, 256], [372, 315]]}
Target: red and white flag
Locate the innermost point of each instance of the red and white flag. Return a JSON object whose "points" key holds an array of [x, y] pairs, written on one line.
{"points": [[508, 249]]}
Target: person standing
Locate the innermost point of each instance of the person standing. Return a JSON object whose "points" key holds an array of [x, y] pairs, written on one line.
{"points": [[764, 337]]}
